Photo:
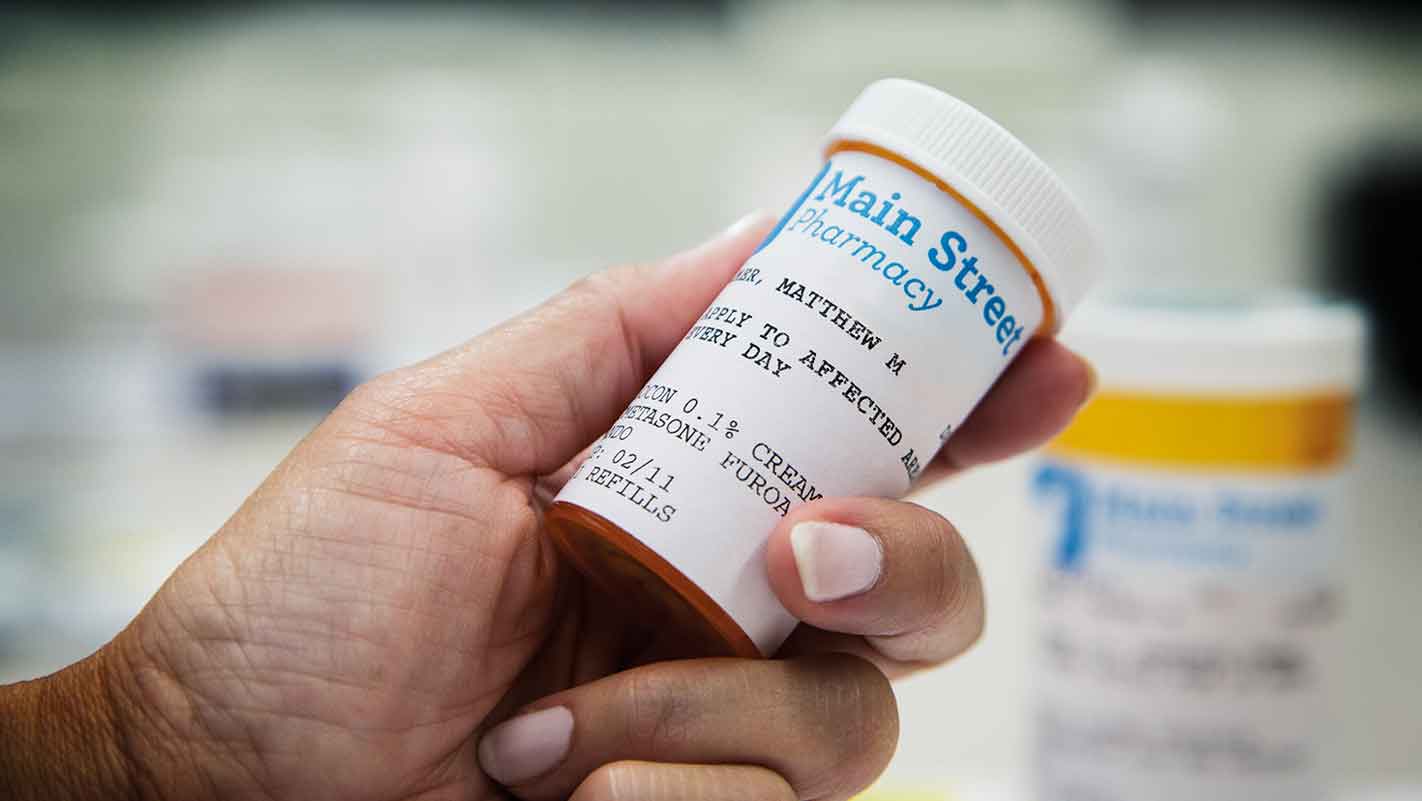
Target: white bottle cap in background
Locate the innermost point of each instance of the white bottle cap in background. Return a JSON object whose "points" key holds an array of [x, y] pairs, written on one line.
{"points": [[1276, 343]]}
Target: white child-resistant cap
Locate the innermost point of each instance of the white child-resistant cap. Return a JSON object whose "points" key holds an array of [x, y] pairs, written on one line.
{"points": [[1269, 344], [988, 166]]}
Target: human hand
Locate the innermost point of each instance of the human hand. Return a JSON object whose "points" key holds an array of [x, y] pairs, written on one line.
{"points": [[383, 619]]}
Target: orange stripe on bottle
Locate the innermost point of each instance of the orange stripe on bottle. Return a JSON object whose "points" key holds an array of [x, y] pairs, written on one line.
{"points": [[1275, 434], [1049, 310]]}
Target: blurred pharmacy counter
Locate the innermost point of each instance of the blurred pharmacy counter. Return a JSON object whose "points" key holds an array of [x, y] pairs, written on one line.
{"points": [[90, 526]]}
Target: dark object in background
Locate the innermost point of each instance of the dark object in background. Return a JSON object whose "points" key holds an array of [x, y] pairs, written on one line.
{"points": [[271, 339], [1369, 11], [120, 11], [262, 389], [1369, 228]]}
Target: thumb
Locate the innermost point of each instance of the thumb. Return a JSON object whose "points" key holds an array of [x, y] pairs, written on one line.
{"points": [[527, 396]]}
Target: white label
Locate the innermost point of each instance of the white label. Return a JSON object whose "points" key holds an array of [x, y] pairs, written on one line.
{"points": [[861, 333], [1184, 619]]}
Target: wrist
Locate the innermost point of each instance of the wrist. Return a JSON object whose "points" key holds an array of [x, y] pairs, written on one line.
{"points": [[163, 754], [60, 737], [102, 728]]}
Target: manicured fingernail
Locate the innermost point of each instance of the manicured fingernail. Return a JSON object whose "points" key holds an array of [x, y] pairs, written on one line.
{"points": [[694, 258], [835, 561], [527, 746], [749, 221]]}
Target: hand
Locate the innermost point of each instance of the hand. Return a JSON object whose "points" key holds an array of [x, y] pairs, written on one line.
{"points": [[382, 619]]}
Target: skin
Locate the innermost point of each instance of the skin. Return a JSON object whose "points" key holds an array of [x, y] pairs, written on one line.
{"points": [[386, 597]]}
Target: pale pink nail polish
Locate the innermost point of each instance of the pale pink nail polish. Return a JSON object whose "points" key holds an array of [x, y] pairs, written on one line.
{"points": [[758, 217], [835, 561], [527, 746]]}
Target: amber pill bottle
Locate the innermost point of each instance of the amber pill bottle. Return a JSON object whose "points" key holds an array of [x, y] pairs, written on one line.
{"points": [[930, 247]]}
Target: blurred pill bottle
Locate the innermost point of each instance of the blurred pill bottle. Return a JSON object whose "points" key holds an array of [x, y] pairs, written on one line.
{"points": [[1191, 519], [930, 247]]}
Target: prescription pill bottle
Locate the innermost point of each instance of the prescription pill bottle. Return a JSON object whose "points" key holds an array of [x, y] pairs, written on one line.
{"points": [[1190, 522], [928, 250]]}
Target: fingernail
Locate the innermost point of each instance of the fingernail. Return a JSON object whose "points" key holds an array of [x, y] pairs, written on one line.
{"points": [[693, 259], [751, 220], [835, 561], [526, 746]]}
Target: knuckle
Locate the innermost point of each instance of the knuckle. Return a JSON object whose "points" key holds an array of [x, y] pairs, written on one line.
{"points": [[937, 577], [398, 402], [866, 729], [951, 615], [381, 403], [974, 622], [954, 586], [590, 288], [379, 391], [589, 296], [749, 782], [598, 297], [658, 705], [595, 288], [779, 789], [607, 783]]}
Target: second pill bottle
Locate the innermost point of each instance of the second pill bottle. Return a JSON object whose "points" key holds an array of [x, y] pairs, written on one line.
{"points": [[930, 248], [1193, 524]]}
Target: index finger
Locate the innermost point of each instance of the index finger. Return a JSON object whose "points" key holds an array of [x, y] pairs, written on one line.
{"points": [[526, 396]]}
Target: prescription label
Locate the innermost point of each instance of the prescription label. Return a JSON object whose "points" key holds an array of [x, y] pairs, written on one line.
{"points": [[1184, 624], [852, 343]]}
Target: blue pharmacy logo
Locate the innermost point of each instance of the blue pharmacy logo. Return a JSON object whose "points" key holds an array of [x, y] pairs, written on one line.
{"points": [[1056, 479], [794, 208]]}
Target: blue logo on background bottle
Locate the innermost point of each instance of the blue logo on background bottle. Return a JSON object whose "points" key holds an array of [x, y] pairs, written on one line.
{"points": [[1056, 479]]}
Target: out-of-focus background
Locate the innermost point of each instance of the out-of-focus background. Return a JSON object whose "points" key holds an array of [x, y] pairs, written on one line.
{"points": [[214, 222]]}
